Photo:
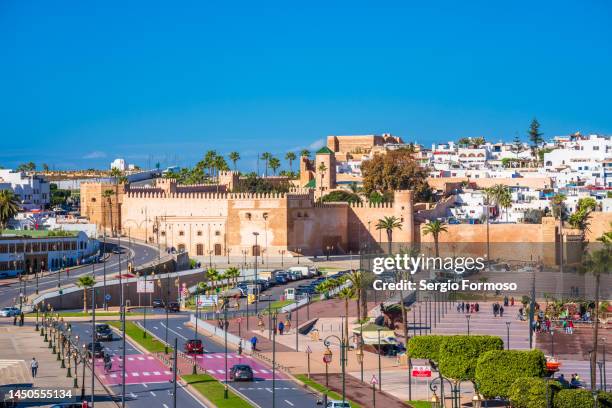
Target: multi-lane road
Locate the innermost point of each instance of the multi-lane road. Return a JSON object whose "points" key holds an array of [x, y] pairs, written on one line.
{"points": [[139, 253]]}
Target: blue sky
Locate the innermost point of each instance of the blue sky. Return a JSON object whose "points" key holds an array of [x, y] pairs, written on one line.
{"points": [[85, 82]]}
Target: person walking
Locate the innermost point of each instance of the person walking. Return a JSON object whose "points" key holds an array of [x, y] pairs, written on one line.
{"points": [[254, 343], [240, 348], [501, 311], [281, 328], [34, 367]]}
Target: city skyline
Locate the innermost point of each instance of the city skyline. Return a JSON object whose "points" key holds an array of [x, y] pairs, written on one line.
{"points": [[164, 82]]}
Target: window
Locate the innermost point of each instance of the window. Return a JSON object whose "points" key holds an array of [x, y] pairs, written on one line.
{"points": [[199, 233], [163, 233], [217, 233], [93, 199], [181, 233], [248, 216], [199, 249]]}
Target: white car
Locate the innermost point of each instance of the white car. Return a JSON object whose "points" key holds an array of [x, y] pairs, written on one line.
{"points": [[9, 311], [338, 404]]}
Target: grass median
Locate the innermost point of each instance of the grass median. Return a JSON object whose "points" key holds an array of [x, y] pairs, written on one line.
{"points": [[419, 404], [322, 388], [213, 391], [83, 314], [133, 331]]}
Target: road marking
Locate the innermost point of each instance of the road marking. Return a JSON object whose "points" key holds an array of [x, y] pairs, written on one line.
{"points": [[178, 334], [269, 390], [155, 327], [289, 402], [141, 358], [145, 385], [165, 406], [135, 375], [146, 373], [133, 395], [156, 373], [153, 394], [168, 372], [179, 328]]}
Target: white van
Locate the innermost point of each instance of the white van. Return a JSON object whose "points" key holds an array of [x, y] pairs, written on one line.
{"points": [[302, 271]]}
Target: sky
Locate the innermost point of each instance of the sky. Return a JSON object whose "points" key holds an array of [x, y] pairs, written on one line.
{"points": [[85, 82]]}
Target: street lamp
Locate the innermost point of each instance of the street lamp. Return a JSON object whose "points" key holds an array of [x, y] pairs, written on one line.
{"points": [[327, 358], [360, 351], [476, 401], [298, 251], [552, 342], [256, 253], [508, 335], [379, 362], [467, 318], [359, 355], [282, 254]]}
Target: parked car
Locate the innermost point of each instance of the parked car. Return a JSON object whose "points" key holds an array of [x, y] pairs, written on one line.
{"points": [[104, 332], [98, 349], [158, 303], [194, 346], [241, 372], [281, 278], [9, 312], [117, 250], [338, 404], [174, 307]]}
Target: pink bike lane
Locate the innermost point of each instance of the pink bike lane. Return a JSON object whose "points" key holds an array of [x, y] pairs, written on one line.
{"points": [[214, 364], [140, 368]]}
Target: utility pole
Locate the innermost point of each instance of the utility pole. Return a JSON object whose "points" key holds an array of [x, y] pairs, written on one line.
{"points": [[93, 334]]}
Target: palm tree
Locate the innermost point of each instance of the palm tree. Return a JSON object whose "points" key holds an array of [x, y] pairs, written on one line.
{"points": [[505, 202], [118, 176], [85, 282], [45, 167], [347, 294], [9, 207], [434, 228], [322, 169], [266, 156], [356, 279], [597, 263], [290, 157], [478, 141], [212, 275], [108, 195], [389, 224], [233, 273], [274, 164], [305, 153], [234, 157]]}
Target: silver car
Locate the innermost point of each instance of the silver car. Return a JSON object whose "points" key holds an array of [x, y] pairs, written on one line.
{"points": [[9, 311]]}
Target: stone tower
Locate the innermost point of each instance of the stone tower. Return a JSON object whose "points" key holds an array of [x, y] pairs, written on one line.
{"points": [[326, 179]]}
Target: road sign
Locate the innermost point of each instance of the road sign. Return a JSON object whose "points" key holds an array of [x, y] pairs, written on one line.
{"points": [[141, 288], [421, 371], [206, 300], [373, 381], [107, 297], [308, 349]]}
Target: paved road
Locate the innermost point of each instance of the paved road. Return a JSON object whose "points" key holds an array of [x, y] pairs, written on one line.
{"points": [[147, 380], [9, 294], [288, 393]]}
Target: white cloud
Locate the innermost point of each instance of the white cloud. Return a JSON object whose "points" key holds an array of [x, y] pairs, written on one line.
{"points": [[317, 144], [95, 155]]}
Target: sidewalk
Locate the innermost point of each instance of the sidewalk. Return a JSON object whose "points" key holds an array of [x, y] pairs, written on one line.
{"points": [[19, 344]]}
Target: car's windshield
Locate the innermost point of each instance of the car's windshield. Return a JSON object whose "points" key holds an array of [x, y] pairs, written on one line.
{"points": [[102, 327]]}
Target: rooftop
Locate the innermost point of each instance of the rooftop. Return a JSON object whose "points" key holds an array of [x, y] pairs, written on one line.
{"points": [[37, 233]]}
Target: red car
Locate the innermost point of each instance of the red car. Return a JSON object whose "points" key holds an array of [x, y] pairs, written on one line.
{"points": [[194, 347]]}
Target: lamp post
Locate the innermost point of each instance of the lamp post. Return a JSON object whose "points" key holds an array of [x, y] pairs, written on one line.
{"points": [[167, 308], [37, 309], [69, 352], [327, 343], [256, 253], [84, 360], [282, 254], [308, 352], [197, 301], [379, 362], [467, 318], [327, 358], [605, 384], [274, 361], [225, 329], [360, 351], [508, 335], [552, 342], [298, 251]]}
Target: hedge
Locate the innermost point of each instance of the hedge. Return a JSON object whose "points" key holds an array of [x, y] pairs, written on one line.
{"points": [[458, 355], [581, 399], [531, 392], [497, 370], [426, 347]]}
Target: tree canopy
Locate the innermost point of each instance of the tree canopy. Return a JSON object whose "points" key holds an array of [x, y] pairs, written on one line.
{"points": [[395, 170], [341, 196]]}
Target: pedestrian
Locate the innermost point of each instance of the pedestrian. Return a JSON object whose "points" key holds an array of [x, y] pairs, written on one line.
{"points": [[458, 307], [501, 311], [495, 309], [281, 328], [462, 307], [512, 301], [477, 307], [254, 343], [21, 318], [84, 404], [506, 301], [570, 327], [34, 367], [240, 348]]}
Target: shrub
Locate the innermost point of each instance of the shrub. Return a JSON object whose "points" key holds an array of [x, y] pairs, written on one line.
{"points": [[458, 355], [425, 347], [497, 370], [531, 392], [573, 399]]}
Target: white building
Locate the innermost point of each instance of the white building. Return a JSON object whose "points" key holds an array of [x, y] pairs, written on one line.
{"points": [[118, 164], [33, 191]]}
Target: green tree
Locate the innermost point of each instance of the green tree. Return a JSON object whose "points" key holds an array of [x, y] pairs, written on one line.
{"points": [[305, 153], [9, 207], [212, 275], [464, 142], [234, 157], [528, 392], [340, 196], [389, 224], [322, 169], [597, 263], [233, 273], [517, 146], [85, 282], [478, 141], [580, 218], [395, 170], [356, 279], [435, 228], [290, 157], [45, 167], [118, 176], [496, 370], [346, 294], [459, 354], [535, 137], [274, 164], [266, 156]]}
